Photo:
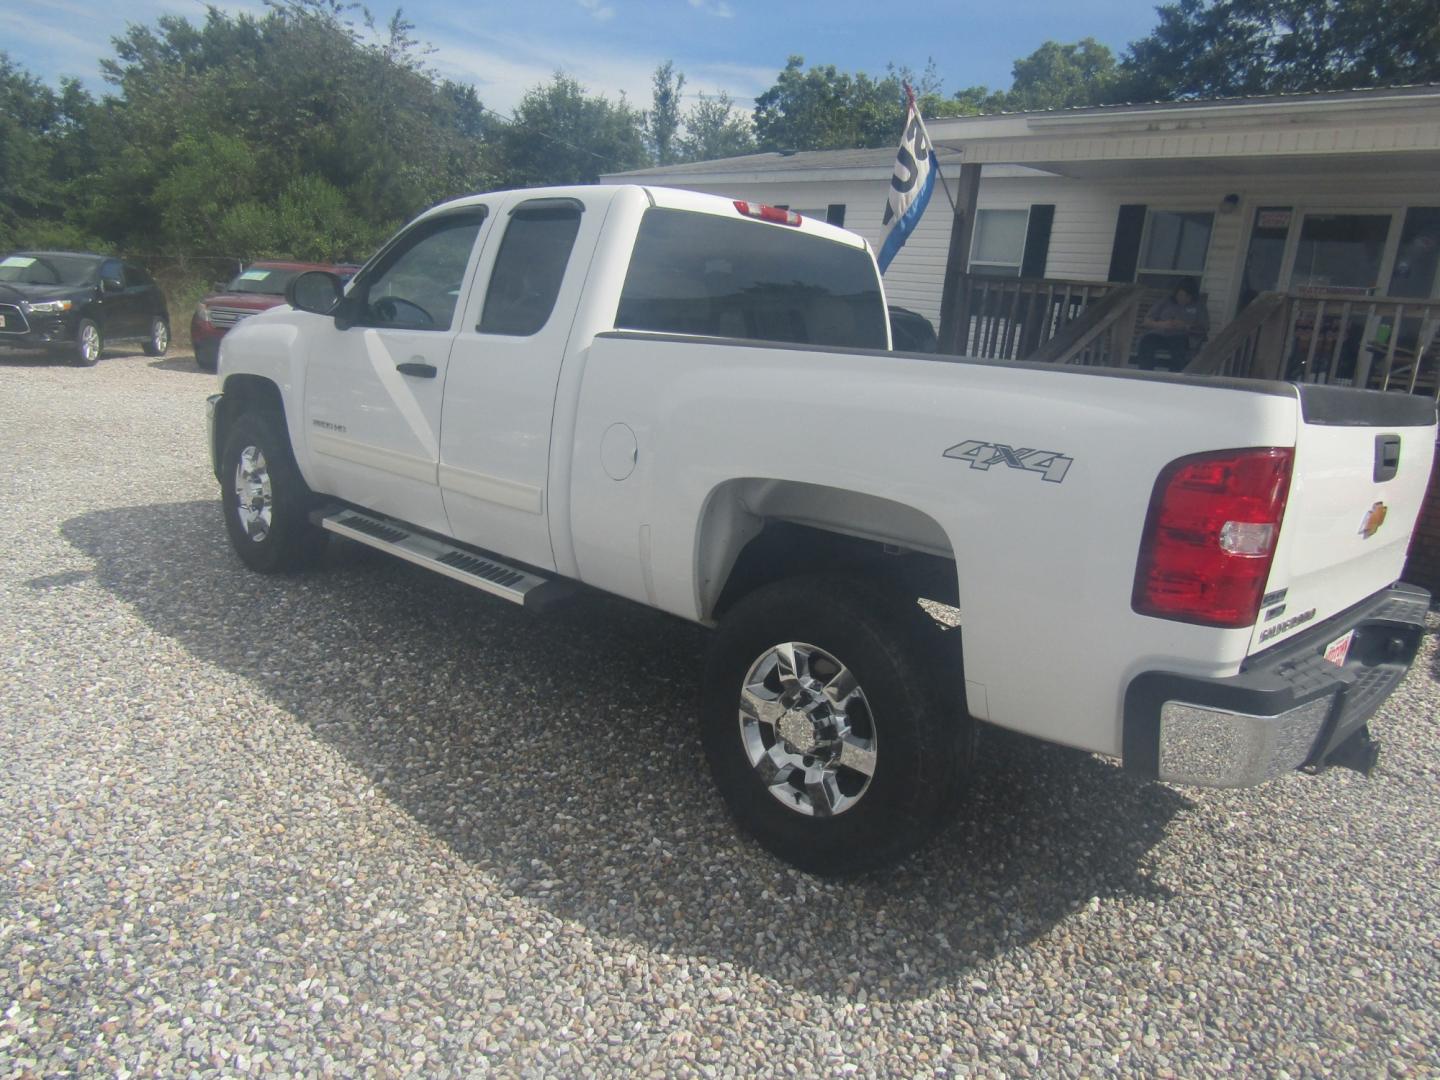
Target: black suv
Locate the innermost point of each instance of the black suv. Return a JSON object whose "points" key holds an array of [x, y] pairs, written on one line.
{"points": [[78, 303]]}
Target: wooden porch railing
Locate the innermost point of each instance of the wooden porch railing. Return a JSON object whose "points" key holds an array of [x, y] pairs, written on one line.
{"points": [[1004, 318], [1379, 343], [1100, 337]]}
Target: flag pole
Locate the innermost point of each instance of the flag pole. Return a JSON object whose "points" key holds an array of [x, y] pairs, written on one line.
{"points": [[910, 97]]}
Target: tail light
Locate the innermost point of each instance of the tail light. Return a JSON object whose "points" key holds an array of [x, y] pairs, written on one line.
{"points": [[772, 214], [1210, 536]]}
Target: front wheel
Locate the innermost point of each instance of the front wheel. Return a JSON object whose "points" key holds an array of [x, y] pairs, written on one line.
{"points": [[265, 498], [834, 723], [159, 339], [89, 343]]}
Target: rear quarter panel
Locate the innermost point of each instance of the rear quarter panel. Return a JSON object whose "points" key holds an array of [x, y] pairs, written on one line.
{"points": [[1045, 569]]}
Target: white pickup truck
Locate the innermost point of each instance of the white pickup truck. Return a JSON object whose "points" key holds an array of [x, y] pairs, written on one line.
{"points": [[691, 402]]}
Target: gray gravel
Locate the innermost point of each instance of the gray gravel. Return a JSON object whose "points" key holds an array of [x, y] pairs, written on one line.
{"points": [[365, 821]]}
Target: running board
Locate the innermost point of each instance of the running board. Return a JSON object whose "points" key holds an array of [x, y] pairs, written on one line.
{"points": [[521, 587]]}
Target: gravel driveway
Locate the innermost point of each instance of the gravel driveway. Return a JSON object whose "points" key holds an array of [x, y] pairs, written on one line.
{"points": [[367, 821]]}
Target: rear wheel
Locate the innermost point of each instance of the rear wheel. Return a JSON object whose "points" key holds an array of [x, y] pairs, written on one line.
{"points": [[89, 344], [834, 726], [159, 339], [264, 497]]}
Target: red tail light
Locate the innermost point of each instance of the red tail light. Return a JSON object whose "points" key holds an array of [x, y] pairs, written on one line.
{"points": [[1210, 536], [771, 214]]}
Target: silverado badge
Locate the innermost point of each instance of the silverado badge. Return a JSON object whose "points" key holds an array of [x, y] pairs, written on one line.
{"points": [[1374, 518]]}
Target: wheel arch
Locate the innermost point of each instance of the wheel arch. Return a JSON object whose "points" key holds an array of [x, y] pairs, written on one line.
{"points": [[243, 392], [754, 531]]}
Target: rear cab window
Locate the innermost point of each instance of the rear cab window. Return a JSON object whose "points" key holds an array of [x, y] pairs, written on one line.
{"points": [[705, 274]]}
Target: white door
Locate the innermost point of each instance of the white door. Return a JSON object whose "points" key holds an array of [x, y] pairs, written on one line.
{"points": [[500, 390], [375, 373]]}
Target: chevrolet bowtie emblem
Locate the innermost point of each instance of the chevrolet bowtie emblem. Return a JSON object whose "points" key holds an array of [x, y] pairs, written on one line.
{"points": [[1374, 518]]}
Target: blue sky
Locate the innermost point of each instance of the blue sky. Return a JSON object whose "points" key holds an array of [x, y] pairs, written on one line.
{"points": [[613, 45]]}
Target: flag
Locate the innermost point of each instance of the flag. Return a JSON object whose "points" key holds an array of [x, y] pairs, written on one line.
{"points": [[910, 184]]}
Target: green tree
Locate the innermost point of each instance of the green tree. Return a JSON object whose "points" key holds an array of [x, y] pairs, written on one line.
{"points": [[825, 109], [44, 141], [228, 113], [662, 122], [1224, 48], [1054, 76], [714, 128], [563, 135]]}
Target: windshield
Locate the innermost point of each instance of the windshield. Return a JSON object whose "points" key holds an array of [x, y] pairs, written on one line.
{"points": [[269, 280], [25, 269]]}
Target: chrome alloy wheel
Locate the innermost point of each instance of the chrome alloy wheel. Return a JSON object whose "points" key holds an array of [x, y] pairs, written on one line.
{"points": [[90, 342], [159, 336], [253, 498], [807, 729]]}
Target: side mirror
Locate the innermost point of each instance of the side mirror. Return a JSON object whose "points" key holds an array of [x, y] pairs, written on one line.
{"points": [[111, 285], [315, 291]]}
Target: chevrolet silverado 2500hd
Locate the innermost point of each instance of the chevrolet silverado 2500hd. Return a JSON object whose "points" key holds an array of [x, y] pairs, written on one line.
{"points": [[691, 402]]}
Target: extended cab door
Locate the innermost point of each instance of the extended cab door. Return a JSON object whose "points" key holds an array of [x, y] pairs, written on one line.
{"points": [[500, 389], [375, 373]]}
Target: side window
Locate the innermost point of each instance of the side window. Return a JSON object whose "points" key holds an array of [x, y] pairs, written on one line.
{"points": [[530, 267], [135, 278], [416, 284], [110, 272]]}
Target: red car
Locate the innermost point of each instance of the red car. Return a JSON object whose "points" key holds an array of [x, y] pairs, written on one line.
{"points": [[259, 287]]}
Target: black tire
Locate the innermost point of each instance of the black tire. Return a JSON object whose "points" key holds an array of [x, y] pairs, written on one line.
{"points": [[159, 339], [913, 693], [207, 355], [89, 344], [288, 541]]}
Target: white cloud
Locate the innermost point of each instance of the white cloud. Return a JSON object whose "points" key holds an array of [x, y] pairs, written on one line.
{"points": [[719, 8], [503, 68], [597, 9]]}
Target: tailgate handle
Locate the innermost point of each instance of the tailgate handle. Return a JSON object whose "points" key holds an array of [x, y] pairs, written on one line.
{"points": [[1387, 457]]}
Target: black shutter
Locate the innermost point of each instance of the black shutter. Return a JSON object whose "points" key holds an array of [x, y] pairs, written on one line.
{"points": [[835, 214], [1037, 240], [1125, 255]]}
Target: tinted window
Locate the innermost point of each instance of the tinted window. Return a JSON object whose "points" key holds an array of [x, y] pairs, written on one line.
{"points": [[136, 277], [416, 284], [704, 274], [529, 269]]}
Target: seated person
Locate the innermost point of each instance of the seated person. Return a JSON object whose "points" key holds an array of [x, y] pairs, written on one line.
{"points": [[1172, 326]]}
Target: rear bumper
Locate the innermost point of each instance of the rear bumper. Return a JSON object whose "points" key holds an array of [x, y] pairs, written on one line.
{"points": [[1287, 708]]}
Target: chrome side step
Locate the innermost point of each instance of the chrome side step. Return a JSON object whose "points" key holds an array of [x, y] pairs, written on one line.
{"points": [[478, 571]]}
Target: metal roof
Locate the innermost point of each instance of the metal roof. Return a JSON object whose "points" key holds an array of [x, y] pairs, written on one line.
{"points": [[1299, 98], [784, 161]]}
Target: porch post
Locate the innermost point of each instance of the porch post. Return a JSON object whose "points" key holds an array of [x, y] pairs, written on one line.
{"points": [[954, 309]]}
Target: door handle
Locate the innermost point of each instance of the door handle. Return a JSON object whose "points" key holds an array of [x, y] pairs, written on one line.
{"points": [[419, 370]]}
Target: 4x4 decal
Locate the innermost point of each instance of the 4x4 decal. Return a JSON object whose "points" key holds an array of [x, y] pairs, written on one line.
{"points": [[1050, 464]]}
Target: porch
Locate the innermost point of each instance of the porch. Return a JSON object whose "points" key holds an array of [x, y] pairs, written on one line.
{"points": [[1306, 335]]}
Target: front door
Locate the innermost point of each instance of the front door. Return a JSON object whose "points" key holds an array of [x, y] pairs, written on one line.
{"points": [[500, 394], [375, 373]]}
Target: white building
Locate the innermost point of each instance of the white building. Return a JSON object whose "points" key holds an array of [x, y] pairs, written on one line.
{"points": [[1334, 193]]}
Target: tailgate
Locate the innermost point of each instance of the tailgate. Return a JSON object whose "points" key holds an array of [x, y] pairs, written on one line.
{"points": [[1362, 463]]}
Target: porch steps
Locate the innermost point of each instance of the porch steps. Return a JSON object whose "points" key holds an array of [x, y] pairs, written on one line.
{"points": [[484, 572]]}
